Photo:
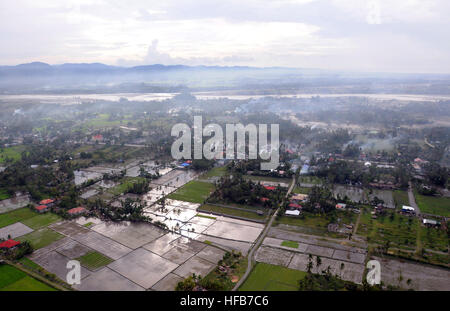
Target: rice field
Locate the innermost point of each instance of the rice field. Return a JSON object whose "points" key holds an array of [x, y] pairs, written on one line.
{"points": [[194, 191], [12, 279], [267, 277]]}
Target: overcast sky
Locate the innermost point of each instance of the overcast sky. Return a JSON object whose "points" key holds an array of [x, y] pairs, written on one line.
{"points": [[359, 35]]}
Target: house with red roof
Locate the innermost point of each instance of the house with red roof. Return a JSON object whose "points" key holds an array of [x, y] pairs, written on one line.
{"points": [[41, 208], [295, 206], [9, 244], [76, 211], [269, 187], [264, 199], [48, 202], [98, 137]]}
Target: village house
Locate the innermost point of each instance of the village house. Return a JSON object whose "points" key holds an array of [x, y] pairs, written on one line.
{"points": [[341, 206], [431, 223], [76, 211], [48, 202], [41, 208], [408, 210], [9, 244], [292, 213], [299, 198]]}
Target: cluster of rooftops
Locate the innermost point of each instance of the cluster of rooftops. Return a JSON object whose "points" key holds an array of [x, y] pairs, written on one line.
{"points": [[45, 204]]}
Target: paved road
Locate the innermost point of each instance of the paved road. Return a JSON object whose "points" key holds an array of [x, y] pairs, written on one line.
{"points": [[412, 200], [260, 240]]}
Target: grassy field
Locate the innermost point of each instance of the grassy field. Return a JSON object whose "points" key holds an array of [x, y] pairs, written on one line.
{"points": [[435, 239], [12, 217], [292, 244], [12, 279], [29, 263], [102, 120], [400, 198], [237, 270], [266, 277], [317, 224], [215, 172], [41, 237], [433, 205], [206, 216], [4, 194], [232, 212], [125, 185], [400, 231], [14, 153], [302, 190], [41, 220], [309, 180], [194, 191], [94, 260]]}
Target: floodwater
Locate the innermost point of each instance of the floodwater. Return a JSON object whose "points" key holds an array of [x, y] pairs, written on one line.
{"points": [[353, 193], [70, 99], [83, 176]]}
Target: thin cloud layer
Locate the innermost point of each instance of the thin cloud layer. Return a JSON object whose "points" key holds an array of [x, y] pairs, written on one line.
{"points": [[373, 35]]}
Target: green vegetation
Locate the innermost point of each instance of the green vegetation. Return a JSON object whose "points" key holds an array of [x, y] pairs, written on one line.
{"points": [[126, 185], [433, 205], [4, 194], [317, 224], [14, 216], [250, 213], [310, 180], [94, 260], [266, 277], [12, 279], [229, 270], [206, 216], [194, 191], [41, 237], [29, 263], [390, 229], [9, 275], [215, 172], [400, 198], [11, 154], [434, 238], [290, 244], [302, 190], [41, 220], [103, 120]]}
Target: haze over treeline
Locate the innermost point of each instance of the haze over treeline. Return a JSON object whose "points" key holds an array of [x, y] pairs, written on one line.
{"points": [[39, 77]]}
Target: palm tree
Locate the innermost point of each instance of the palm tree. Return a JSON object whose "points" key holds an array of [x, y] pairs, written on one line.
{"points": [[318, 262], [310, 264]]}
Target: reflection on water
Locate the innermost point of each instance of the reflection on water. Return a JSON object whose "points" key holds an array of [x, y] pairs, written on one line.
{"points": [[78, 98]]}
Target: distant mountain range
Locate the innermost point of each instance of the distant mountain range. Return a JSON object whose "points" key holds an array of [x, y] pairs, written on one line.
{"points": [[42, 77]]}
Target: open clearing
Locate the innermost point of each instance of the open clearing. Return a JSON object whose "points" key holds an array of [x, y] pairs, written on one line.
{"points": [[12, 279], [193, 191], [433, 205], [15, 216], [422, 277], [15, 230], [267, 277], [94, 260], [41, 238], [8, 204], [41, 220]]}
